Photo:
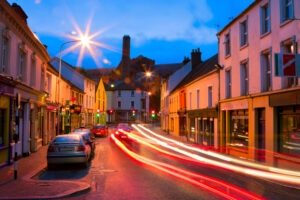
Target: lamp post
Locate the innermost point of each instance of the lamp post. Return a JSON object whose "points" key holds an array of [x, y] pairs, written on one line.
{"points": [[148, 75], [84, 40]]}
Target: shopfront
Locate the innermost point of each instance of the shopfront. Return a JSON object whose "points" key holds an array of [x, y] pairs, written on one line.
{"points": [[287, 138], [203, 124]]}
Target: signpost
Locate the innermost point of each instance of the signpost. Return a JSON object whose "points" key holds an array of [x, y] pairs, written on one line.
{"points": [[287, 65], [16, 135]]}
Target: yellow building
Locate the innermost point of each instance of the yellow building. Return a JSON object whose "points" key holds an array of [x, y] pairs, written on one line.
{"points": [[101, 103]]}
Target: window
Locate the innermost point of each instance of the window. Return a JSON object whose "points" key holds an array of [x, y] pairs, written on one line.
{"points": [[132, 93], [228, 83], [227, 44], [132, 104], [143, 103], [4, 57], [49, 78], [239, 129], [190, 100], [22, 65], [209, 95], [286, 11], [266, 71], [198, 99], [265, 19], [33, 72], [288, 46], [87, 101], [244, 79], [243, 33], [119, 104], [42, 78], [289, 127], [119, 93]]}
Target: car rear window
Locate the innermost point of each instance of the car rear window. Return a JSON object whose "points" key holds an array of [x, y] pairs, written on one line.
{"points": [[99, 127], [67, 139]]}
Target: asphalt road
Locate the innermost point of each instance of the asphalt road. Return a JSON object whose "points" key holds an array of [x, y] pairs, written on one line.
{"points": [[114, 175]]}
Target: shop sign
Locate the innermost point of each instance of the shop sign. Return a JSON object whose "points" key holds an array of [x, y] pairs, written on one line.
{"points": [[77, 108], [235, 105]]}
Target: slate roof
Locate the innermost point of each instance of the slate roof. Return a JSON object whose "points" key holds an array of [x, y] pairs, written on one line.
{"points": [[200, 70], [96, 74], [166, 69]]}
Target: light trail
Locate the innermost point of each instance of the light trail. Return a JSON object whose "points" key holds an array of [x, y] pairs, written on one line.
{"points": [[226, 158], [239, 169], [162, 166]]}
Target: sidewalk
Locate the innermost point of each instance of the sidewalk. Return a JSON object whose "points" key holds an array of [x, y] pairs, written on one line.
{"points": [[183, 139], [27, 188]]}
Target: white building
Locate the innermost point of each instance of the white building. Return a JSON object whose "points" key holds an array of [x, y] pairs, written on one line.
{"points": [[167, 86], [126, 103], [260, 112]]}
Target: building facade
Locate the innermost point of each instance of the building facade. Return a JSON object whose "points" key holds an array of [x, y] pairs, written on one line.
{"points": [[259, 112], [100, 103], [167, 85], [23, 60]]}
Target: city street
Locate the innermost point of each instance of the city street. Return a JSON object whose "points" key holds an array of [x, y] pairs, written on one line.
{"points": [[113, 175]]}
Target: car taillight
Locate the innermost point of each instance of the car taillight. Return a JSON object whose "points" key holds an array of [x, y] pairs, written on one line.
{"points": [[51, 149], [81, 148], [117, 132]]}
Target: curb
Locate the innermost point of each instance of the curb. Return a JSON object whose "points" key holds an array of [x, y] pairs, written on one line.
{"points": [[83, 187]]}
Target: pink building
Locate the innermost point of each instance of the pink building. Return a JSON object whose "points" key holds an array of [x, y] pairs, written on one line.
{"points": [[260, 112]]}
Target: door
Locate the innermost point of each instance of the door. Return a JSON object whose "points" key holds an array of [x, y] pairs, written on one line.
{"points": [[261, 134]]}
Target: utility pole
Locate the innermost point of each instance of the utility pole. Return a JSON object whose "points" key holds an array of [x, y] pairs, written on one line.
{"points": [[16, 135]]}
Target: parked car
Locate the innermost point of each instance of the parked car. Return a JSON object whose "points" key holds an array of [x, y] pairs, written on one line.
{"points": [[70, 148], [88, 135], [100, 130]]}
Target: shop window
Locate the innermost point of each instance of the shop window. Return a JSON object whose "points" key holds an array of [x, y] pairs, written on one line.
{"points": [[239, 129], [2, 125], [192, 127], [289, 131]]}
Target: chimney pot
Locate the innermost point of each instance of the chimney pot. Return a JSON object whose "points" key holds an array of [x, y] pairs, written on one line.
{"points": [[196, 57]]}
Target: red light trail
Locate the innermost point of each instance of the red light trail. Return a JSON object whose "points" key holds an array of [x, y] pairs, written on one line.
{"points": [[221, 190]]}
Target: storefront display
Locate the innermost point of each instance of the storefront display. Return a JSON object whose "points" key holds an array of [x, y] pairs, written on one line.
{"points": [[239, 129]]}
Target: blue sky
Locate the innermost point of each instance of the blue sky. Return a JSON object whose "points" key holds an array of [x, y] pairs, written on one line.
{"points": [[163, 30]]}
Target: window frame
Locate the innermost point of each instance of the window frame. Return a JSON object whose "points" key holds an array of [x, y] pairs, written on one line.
{"points": [[244, 32], [244, 77], [227, 41], [33, 68], [5, 36], [263, 19], [228, 83], [210, 96], [283, 18], [264, 71], [22, 51]]}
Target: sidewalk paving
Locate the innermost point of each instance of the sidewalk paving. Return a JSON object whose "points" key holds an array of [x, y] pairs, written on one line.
{"points": [[25, 187], [183, 139]]}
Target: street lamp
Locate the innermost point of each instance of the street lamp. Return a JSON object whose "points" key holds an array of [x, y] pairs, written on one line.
{"points": [[148, 74], [84, 41]]}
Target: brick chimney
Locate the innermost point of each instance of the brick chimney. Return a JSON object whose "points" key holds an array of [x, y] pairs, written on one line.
{"points": [[196, 57], [125, 68], [20, 12]]}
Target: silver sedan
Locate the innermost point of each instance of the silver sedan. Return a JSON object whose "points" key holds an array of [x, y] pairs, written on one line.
{"points": [[68, 149]]}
